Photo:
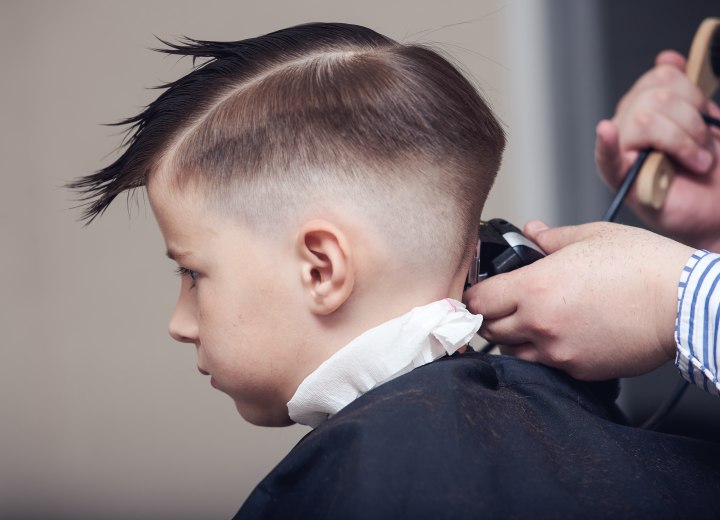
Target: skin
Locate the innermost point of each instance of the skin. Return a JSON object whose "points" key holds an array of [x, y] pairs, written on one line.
{"points": [[603, 303], [266, 309], [662, 111], [229, 309]]}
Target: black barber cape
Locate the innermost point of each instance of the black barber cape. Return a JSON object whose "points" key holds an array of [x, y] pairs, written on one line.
{"points": [[477, 436]]}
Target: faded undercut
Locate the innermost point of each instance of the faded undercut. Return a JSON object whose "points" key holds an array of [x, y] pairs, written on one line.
{"points": [[322, 113]]}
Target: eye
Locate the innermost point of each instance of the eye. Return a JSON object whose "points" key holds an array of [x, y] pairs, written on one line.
{"points": [[182, 271]]}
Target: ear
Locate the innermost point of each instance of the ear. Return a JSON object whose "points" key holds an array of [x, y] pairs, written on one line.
{"points": [[327, 270]]}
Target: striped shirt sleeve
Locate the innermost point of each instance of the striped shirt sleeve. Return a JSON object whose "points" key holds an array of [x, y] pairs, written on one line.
{"points": [[697, 329]]}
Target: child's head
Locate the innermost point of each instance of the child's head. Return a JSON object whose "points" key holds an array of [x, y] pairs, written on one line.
{"points": [[310, 183]]}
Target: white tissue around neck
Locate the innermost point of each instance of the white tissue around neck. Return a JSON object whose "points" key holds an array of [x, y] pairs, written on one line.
{"points": [[381, 354]]}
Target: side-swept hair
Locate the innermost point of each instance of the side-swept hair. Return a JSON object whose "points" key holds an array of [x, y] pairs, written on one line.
{"points": [[322, 113]]}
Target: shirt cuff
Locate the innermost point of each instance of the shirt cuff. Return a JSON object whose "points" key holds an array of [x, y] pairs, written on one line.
{"points": [[696, 326]]}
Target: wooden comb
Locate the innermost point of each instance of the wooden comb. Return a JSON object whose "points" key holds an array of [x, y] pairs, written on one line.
{"points": [[703, 69]]}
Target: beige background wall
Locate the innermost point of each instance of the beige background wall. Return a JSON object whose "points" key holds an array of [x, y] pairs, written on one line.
{"points": [[101, 415]]}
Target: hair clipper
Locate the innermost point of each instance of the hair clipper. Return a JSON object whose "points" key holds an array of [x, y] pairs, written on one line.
{"points": [[501, 248]]}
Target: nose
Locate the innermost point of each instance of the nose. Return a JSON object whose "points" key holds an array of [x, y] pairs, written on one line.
{"points": [[183, 326]]}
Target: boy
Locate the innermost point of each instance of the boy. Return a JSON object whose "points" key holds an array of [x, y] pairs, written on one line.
{"points": [[321, 172], [330, 176]]}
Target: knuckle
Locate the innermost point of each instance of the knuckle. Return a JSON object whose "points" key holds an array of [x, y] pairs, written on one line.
{"points": [[687, 150], [622, 104], [540, 287], [562, 357], [663, 96], [544, 328], [695, 97], [699, 130], [664, 74], [673, 138], [643, 118], [473, 300], [486, 329], [600, 229]]}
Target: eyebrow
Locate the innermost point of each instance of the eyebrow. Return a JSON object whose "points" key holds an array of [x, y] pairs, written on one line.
{"points": [[176, 255]]}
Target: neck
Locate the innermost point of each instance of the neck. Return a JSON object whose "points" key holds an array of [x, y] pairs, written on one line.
{"points": [[380, 354], [365, 310]]}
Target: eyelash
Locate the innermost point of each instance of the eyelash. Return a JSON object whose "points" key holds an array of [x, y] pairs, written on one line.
{"points": [[182, 271]]}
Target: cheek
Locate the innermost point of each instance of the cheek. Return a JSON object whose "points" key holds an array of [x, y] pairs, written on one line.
{"points": [[223, 321], [210, 316]]}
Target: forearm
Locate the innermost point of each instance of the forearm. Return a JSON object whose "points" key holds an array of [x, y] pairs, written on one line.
{"points": [[697, 331]]}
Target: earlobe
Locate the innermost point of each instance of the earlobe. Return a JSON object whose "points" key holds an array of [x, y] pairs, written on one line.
{"points": [[327, 269]]}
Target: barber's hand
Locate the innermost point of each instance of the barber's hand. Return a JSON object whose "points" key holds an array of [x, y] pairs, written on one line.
{"points": [[601, 305], [662, 110]]}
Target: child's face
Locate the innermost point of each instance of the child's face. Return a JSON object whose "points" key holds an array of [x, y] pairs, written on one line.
{"points": [[238, 304]]}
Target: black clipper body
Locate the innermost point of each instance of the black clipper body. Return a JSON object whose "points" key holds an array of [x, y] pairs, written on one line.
{"points": [[501, 248]]}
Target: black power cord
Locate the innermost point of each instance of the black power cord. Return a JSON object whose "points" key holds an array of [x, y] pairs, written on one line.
{"points": [[627, 183]]}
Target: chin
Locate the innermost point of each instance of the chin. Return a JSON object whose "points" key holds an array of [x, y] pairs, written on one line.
{"points": [[263, 417]]}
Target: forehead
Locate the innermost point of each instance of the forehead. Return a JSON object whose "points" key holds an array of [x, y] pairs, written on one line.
{"points": [[179, 210], [168, 191], [188, 223]]}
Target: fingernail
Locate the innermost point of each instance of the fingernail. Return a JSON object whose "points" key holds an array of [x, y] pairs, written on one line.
{"points": [[703, 160]]}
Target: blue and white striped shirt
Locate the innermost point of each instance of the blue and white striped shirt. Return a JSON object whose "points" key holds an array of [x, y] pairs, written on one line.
{"points": [[697, 330]]}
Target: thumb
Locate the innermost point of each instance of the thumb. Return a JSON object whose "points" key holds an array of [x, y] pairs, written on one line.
{"points": [[533, 228], [607, 153], [553, 239], [672, 58]]}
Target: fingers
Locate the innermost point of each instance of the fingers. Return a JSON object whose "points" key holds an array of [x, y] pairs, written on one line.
{"points": [[667, 77], [508, 330], [533, 228], [713, 109], [526, 351], [495, 297], [664, 122], [661, 111], [672, 58], [608, 156], [551, 240]]}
